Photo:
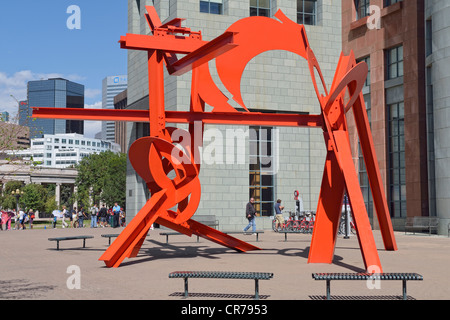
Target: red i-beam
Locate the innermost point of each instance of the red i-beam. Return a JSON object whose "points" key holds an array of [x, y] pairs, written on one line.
{"points": [[152, 157]]}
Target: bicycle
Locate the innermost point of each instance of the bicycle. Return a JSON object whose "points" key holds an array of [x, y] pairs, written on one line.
{"points": [[306, 224], [342, 226], [288, 225]]}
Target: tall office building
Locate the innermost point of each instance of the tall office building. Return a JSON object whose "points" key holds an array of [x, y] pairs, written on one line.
{"points": [[406, 46], [4, 116], [111, 87], [52, 93], [437, 64], [275, 81]]}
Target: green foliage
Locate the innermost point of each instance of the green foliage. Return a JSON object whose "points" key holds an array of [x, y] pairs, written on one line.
{"points": [[101, 177], [34, 197]]}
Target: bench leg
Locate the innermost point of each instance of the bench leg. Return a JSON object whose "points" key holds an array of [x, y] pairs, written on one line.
{"points": [[256, 289], [285, 237], [257, 237], [84, 243], [186, 294], [405, 296], [167, 239], [328, 289], [57, 245]]}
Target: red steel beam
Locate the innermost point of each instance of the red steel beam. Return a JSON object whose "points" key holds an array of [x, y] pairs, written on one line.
{"points": [[224, 118], [166, 44]]}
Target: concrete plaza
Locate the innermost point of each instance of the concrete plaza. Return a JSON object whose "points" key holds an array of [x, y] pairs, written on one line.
{"points": [[32, 268]]}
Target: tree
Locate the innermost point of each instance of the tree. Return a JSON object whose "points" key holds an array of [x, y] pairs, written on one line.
{"points": [[35, 197], [8, 201], [101, 177]]}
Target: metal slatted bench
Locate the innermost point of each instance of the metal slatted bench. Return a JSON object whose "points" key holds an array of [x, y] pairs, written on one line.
{"points": [[70, 238], [288, 231], [367, 276], [420, 223], [167, 234], [109, 236], [221, 275], [257, 232], [207, 219]]}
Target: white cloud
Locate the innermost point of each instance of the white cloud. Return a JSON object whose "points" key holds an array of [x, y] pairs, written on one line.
{"points": [[92, 127], [92, 93]]}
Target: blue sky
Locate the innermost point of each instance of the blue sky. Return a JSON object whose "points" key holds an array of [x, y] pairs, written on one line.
{"points": [[37, 44]]}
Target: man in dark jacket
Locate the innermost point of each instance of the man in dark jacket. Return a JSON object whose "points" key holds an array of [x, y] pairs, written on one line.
{"points": [[250, 214], [102, 215]]}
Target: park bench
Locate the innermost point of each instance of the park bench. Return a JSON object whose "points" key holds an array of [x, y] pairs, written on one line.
{"points": [[288, 231], [221, 275], [70, 238], [419, 223], [257, 232], [173, 233], [366, 276], [208, 219], [109, 236]]}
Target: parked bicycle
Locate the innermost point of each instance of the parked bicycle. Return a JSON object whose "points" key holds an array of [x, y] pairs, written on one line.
{"points": [[303, 225], [342, 226]]}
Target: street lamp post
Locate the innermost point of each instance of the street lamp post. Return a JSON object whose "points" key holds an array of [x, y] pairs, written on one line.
{"points": [[17, 194]]}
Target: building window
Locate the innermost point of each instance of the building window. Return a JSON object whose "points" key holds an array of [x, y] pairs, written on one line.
{"points": [[260, 8], [261, 170], [307, 12], [211, 6], [428, 37], [397, 180], [361, 7], [366, 60], [395, 62], [387, 3]]}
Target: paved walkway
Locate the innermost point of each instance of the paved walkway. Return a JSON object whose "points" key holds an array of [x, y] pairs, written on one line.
{"points": [[31, 268]]}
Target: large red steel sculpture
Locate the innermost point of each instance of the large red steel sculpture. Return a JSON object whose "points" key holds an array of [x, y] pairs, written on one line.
{"points": [[153, 157]]}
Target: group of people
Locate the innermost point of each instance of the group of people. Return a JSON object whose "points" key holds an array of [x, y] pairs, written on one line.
{"points": [[250, 214], [112, 217], [20, 217]]}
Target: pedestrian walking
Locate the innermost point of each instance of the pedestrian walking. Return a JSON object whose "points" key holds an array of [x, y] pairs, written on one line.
{"points": [[74, 217], [116, 213], [250, 214], [102, 214], [122, 217], [81, 217], [31, 218], [21, 219], [3, 221], [278, 215], [65, 214], [94, 214]]}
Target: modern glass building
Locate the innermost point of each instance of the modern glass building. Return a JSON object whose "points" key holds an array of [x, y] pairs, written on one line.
{"points": [[111, 87], [53, 93]]}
